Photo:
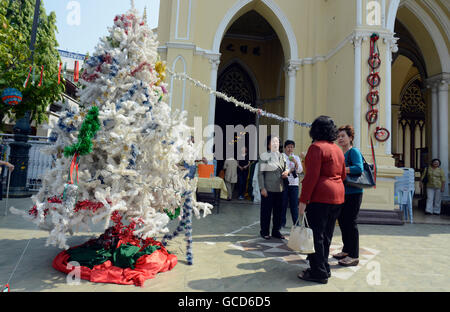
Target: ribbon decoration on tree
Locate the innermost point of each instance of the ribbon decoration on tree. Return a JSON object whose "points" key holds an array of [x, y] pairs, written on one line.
{"points": [[74, 165], [76, 73], [65, 70], [28, 77], [42, 76], [59, 72]]}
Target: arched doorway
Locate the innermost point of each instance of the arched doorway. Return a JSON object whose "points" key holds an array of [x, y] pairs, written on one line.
{"points": [[410, 147], [252, 71], [234, 81], [425, 21]]}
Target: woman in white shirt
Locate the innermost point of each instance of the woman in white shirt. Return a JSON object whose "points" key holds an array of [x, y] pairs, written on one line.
{"points": [[290, 193]]}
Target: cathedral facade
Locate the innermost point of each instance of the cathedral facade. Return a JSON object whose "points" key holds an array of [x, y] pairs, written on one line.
{"points": [[382, 66]]}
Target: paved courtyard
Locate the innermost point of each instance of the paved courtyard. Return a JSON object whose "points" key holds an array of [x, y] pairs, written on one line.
{"points": [[230, 256]]}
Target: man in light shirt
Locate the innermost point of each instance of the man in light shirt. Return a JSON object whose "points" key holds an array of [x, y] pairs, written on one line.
{"points": [[290, 193]]}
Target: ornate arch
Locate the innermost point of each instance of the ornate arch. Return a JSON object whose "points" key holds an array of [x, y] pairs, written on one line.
{"points": [[412, 123], [239, 9]]}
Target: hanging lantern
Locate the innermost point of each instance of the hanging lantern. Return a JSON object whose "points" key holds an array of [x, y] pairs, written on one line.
{"points": [[11, 96]]}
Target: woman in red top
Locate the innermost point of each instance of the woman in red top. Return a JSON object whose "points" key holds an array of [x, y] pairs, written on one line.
{"points": [[322, 194]]}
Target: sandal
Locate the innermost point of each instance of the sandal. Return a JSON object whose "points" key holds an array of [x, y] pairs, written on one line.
{"points": [[347, 261], [340, 255], [265, 236]]}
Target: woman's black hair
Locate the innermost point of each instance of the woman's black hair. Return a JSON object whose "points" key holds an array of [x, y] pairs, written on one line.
{"points": [[432, 161], [323, 129], [289, 142]]}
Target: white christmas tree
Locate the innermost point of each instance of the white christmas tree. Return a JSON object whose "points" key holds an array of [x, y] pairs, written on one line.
{"points": [[137, 164]]}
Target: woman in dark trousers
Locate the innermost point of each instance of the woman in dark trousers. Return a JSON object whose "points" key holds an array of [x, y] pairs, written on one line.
{"points": [[243, 167], [272, 171], [322, 195], [353, 198]]}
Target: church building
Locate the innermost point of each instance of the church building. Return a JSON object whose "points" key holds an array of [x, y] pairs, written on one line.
{"points": [[382, 66]]}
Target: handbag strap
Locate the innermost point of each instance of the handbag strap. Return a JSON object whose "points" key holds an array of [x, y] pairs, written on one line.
{"points": [[350, 159], [305, 220]]}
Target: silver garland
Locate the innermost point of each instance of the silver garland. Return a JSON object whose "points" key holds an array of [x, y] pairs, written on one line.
{"points": [[258, 111]]}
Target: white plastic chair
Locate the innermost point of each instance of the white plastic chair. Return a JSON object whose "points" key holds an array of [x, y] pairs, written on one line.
{"points": [[404, 193]]}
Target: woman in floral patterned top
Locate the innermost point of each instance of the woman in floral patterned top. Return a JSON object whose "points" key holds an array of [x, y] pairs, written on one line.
{"points": [[435, 184]]}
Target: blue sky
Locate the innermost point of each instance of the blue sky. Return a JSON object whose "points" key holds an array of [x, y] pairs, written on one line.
{"points": [[82, 22]]}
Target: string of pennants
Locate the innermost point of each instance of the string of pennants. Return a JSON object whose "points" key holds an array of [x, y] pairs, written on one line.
{"points": [[13, 97], [61, 73]]}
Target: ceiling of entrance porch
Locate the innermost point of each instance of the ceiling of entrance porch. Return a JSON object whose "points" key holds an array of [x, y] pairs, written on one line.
{"points": [[253, 26]]}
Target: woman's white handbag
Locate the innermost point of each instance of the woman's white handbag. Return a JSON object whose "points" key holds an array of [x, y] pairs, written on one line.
{"points": [[301, 238]]}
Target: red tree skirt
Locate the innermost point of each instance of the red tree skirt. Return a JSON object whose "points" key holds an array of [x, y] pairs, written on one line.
{"points": [[146, 268]]}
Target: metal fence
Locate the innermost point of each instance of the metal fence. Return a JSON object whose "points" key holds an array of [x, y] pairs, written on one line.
{"points": [[38, 162]]}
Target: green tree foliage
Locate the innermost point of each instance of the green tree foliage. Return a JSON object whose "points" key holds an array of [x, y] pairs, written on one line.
{"points": [[16, 21]]}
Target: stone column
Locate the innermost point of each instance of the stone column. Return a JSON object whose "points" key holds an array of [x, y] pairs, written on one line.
{"points": [[214, 61], [289, 107], [391, 47], [357, 41], [443, 128], [434, 122]]}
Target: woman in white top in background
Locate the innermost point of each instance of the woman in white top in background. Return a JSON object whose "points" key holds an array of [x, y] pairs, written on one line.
{"points": [[290, 193]]}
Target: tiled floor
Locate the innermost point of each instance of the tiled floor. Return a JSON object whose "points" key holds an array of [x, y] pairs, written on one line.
{"points": [[230, 256], [419, 216], [277, 249]]}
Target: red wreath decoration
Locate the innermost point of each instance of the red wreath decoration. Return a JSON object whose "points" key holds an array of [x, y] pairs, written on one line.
{"points": [[382, 134], [374, 61], [373, 98], [374, 80], [372, 116]]}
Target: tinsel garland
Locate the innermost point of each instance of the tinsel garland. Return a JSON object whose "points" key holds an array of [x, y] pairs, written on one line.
{"points": [[258, 111], [184, 224], [88, 129]]}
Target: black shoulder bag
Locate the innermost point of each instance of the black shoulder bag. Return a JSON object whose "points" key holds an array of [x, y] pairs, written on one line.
{"points": [[364, 180]]}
